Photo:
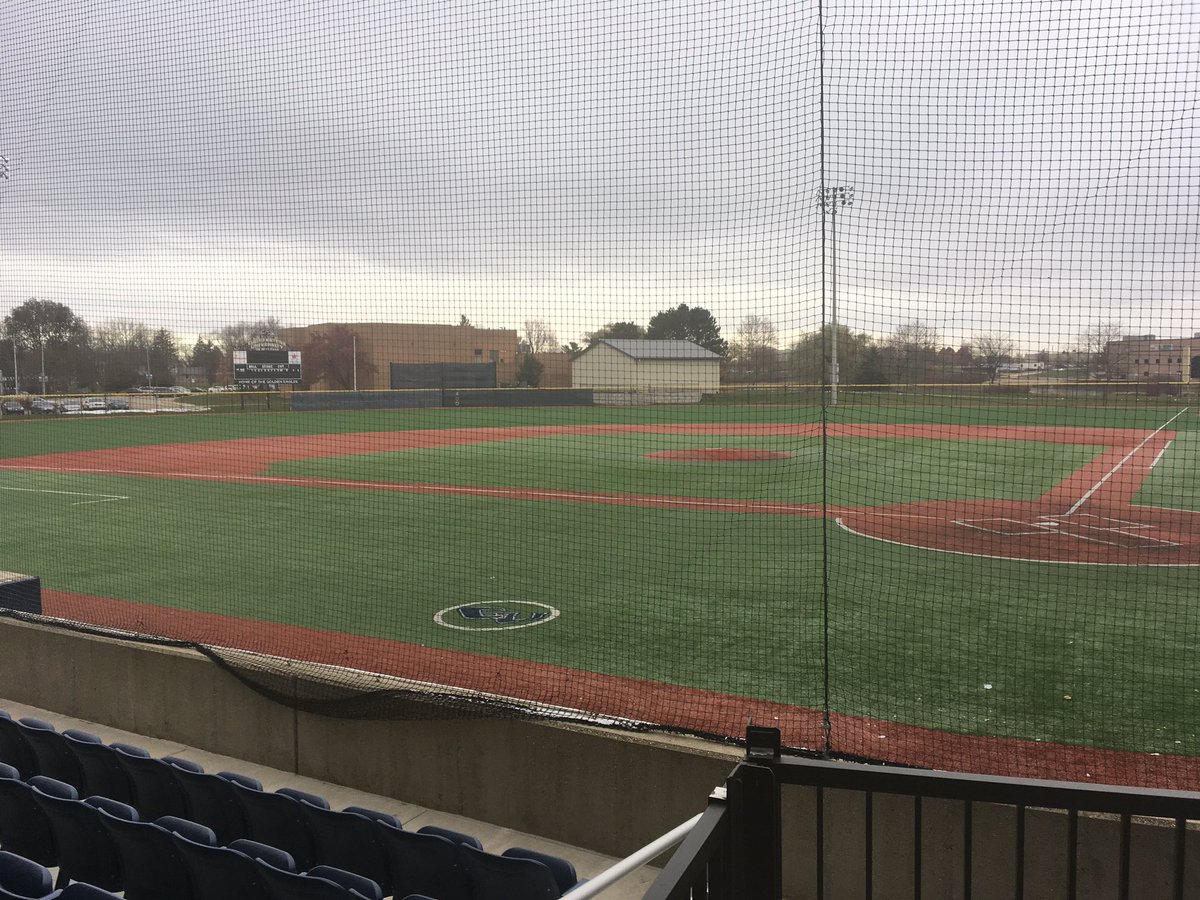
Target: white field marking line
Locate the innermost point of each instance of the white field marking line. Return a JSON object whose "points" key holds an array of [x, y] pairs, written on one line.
{"points": [[969, 523], [1160, 454], [458, 490], [104, 498], [1095, 487], [1049, 562]]}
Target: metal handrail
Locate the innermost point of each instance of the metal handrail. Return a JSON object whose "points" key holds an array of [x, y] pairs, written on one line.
{"points": [[989, 788], [634, 861], [689, 862]]}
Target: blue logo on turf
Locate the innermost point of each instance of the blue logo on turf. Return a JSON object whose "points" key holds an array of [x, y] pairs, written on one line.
{"points": [[495, 616]]}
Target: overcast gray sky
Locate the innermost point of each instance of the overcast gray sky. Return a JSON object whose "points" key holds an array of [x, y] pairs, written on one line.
{"points": [[1019, 166]]}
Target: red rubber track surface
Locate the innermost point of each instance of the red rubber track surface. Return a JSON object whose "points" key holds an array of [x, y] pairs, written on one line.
{"points": [[1087, 518]]}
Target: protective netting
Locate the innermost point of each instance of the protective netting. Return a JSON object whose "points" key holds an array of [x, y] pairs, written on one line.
{"points": [[665, 365]]}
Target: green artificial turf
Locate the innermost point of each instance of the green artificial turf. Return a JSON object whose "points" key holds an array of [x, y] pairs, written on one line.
{"points": [[862, 472], [1175, 482], [729, 602]]}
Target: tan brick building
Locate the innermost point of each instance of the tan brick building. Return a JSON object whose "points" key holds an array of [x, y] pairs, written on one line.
{"points": [[384, 343], [1145, 357]]}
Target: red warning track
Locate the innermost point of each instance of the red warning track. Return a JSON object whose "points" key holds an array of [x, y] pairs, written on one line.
{"points": [[633, 699], [1088, 518]]}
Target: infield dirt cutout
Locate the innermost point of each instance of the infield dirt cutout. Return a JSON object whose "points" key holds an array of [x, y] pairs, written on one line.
{"points": [[1087, 518]]}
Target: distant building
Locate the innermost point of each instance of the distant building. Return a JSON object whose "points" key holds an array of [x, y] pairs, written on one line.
{"points": [[644, 371], [384, 343], [1145, 357]]}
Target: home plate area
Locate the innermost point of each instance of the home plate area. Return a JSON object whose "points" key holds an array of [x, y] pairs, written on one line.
{"points": [[1128, 535], [1080, 526]]}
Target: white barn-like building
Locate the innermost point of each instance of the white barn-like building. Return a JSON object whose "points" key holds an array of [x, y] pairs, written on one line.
{"points": [[644, 371]]}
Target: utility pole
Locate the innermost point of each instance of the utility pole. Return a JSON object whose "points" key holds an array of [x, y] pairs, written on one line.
{"points": [[830, 198], [354, 344]]}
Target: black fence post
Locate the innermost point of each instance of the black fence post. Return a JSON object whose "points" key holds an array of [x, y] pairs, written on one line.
{"points": [[757, 840]]}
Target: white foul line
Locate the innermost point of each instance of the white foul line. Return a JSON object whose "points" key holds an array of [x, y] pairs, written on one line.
{"points": [[104, 498], [1161, 453], [1113, 471]]}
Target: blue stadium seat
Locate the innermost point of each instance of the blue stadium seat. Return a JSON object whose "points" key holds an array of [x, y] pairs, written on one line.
{"points": [[54, 757], [277, 820], [284, 885], [450, 834], [83, 891], [23, 878], [217, 873], [193, 831], [102, 774], [86, 852], [153, 865], [24, 828], [211, 799], [424, 864], [349, 840], [155, 792], [265, 853], [561, 869], [357, 885], [14, 749], [505, 877]]}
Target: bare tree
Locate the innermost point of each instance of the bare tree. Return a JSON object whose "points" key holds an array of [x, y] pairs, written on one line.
{"points": [[991, 350], [858, 357], [911, 352], [755, 351], [1102, 355], [241, 335], [540, 337]]}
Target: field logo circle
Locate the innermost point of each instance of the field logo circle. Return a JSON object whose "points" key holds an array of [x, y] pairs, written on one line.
{"points": [[495, 616]]}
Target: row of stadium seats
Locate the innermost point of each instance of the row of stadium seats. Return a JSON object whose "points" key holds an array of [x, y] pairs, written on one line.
{"points": [[171, 830]]}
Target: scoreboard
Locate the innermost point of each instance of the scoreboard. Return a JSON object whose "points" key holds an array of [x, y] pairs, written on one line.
{"points": [[266, 366]]}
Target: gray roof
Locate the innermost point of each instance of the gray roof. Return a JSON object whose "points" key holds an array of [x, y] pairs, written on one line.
{"points": [[641, 349]]}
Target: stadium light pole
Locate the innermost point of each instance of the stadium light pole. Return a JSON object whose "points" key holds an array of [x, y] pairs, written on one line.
{"points": [[830, 199], [354, 343]]}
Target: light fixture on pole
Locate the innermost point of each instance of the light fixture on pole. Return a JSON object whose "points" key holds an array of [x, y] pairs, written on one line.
{"points": [[830, 198]]}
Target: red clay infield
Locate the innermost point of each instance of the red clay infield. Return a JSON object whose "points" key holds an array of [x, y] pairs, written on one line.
{"points": [[1086, 519]]}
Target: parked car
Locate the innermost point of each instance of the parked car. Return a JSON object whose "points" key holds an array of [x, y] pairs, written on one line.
{"points": [[93, 404], [13, 408], [42, 405], [69, 406], [118, 403]]}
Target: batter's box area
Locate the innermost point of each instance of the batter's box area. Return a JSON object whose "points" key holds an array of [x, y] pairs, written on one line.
{"points": [[1078, 526]]}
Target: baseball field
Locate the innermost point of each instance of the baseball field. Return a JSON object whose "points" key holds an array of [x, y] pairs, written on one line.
{"points": [[958, 583]]}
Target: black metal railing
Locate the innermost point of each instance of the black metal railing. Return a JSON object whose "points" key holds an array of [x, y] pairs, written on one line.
{"points": [[739, 852]]}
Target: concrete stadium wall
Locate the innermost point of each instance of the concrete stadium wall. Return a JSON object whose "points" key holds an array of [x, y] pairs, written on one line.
{"points": [[606, 791]]}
